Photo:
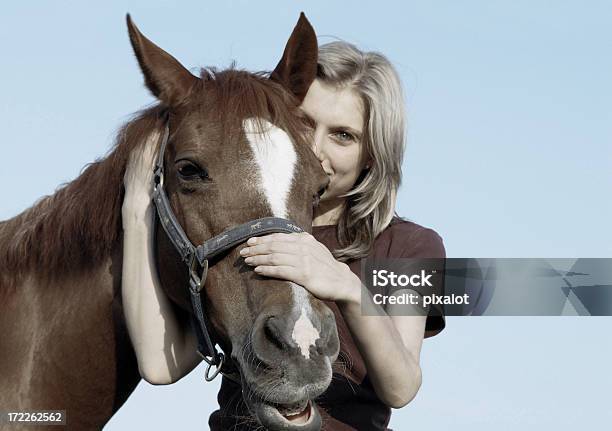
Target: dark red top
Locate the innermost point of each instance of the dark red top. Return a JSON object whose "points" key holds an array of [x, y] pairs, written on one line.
{"points": [[350, 402]]}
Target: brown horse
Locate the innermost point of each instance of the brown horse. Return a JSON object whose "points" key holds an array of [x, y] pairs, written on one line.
{"points": [[237, 152]]}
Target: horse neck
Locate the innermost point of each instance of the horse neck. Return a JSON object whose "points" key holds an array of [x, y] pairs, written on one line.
{"points": [[64, 342], [61, 317], [62, 333], [77, 227]]}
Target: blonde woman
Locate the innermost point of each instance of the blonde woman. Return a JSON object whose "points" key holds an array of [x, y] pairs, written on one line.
{"points": [[356, 109]]}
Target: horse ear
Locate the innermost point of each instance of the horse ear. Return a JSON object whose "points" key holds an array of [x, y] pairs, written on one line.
{"points": [[298, 68], [164, 76]]}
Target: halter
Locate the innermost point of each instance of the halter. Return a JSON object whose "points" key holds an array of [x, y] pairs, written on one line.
{"points": [[196, 258]]}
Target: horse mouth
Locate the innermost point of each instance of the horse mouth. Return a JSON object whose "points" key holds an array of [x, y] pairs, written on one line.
{"points": [[297, 416], [296, 412]]}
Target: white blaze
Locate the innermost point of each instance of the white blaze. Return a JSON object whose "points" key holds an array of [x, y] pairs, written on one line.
{"points": [[304, 334], [276, 158]]}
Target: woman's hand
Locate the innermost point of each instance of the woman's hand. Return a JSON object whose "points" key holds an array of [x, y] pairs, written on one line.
{"points": [[138, 182], [300, 258]]}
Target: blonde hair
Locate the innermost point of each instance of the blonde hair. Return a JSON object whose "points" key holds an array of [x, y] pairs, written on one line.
{"points": [[370, 204]]}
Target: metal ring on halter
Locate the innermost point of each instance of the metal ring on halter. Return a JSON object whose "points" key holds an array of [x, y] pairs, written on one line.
{"points": [[158, 177], [219, 365], [201, 279]]}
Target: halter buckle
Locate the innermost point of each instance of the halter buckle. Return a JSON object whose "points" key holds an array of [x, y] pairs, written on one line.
{"points": [[197, 281]]}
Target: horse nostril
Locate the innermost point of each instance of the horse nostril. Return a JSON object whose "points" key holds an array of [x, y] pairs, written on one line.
{"points": [[274, 333]]}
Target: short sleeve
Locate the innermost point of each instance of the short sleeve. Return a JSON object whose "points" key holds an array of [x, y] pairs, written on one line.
{"points": [[413, 241]]}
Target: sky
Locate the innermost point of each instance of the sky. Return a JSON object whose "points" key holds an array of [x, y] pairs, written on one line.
{"points": [[509, 155]]}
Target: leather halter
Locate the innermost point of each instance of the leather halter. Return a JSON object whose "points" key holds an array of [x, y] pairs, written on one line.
{"points": [[196, 258]]}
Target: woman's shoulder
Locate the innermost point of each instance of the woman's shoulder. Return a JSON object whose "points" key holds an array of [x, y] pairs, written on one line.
{"points": [[403, 227], [404, 238]]}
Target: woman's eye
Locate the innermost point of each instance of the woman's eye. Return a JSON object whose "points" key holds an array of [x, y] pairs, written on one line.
{"points": [[344, 136]]}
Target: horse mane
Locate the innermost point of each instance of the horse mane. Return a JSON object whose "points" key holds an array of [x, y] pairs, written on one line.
{"points": [[80, 224]]}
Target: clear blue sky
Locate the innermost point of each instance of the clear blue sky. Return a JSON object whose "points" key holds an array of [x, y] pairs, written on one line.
{"points": [[509, 155]]}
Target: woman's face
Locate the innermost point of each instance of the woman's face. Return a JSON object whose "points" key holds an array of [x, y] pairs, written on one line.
{"points": [[337, 115]]}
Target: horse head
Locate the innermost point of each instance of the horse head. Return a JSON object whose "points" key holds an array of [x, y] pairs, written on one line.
{"points": [[237, 150]]}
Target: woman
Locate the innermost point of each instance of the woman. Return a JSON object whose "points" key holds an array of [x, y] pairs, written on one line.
{"points": [[357, 111]]}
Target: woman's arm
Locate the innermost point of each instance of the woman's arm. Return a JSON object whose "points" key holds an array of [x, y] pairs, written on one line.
{"points": [[165, 349], [392, 359]]}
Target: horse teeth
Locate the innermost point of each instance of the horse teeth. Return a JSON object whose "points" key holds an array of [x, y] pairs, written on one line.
{"points": [[293, 409]]}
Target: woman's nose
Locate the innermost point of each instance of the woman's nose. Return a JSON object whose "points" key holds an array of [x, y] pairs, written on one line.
{"points": [[318, 146]]}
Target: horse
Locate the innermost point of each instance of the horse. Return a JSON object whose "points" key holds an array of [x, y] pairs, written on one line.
{"points": [[237, 151]]}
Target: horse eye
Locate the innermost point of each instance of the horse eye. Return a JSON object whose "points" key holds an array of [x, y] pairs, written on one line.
{"points": [[190, 171]]}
